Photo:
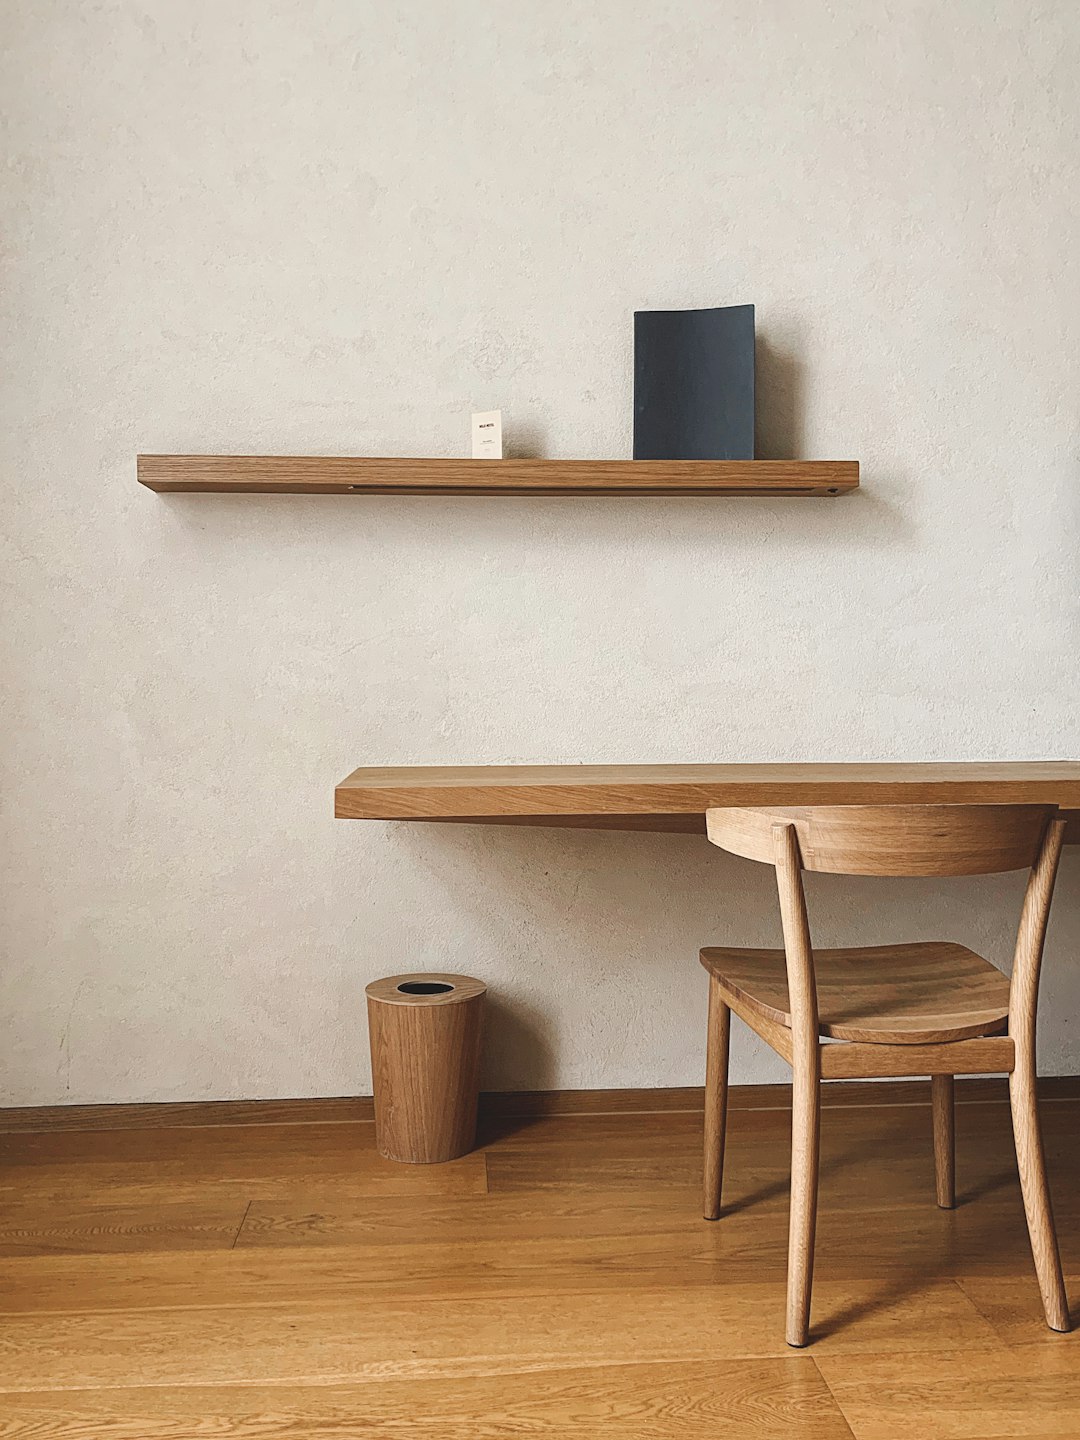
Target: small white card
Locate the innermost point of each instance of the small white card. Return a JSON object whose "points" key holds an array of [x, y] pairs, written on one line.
{"points": [[487, 435]]}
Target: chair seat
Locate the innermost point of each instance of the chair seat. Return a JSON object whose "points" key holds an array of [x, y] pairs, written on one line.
{"points": [[887, 994]]}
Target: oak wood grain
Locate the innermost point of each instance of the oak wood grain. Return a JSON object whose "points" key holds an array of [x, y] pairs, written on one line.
{"points": [[97, 1224], [583, 1295], [771, 1031], [662, 1154], [805, 1028], [889, 840], [1027, 1132], [846, 1060], [874, 1159], [919, 994], [961, 1394], [931, 1008], [715, 1100], [414, 1271], [188, 1164], [425, 1063], [1013, 1306], [372, 1336], [943, 1108], [200, 1114], [580, 794], [345, 475], [568, 1238], [765, 1399]]}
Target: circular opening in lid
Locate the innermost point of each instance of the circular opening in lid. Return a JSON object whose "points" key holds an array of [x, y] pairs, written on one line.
{"points": [[425, 987]]}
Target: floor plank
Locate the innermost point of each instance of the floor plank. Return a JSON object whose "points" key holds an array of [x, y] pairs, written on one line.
{"points": [[283, 1279], [187, 1164], [1012, 1306], [960, 1394], [871, 1158], [651, 1228], [93, 1226], [769, 1399], [308, 1216], [260, 1276], [365, 1337]]}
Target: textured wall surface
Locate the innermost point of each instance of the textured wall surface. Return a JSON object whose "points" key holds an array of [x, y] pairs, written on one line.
{"points": [[339, 226]]}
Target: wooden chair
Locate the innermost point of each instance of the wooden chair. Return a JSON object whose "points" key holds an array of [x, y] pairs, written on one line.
{"points": [[933, 1009]]}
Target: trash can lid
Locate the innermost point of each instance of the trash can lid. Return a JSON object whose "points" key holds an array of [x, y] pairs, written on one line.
{"points": [[425, 988]]}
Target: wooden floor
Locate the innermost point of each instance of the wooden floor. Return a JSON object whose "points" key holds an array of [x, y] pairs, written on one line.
{"points": [[281, 1280]]}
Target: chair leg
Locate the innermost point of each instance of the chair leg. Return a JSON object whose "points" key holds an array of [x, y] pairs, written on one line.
{"points": [[716, 1089], [1032, 1166], [941, 1101], [805, 1118]]}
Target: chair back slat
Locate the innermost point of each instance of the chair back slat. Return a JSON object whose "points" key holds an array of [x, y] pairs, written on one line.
{"points": [[891, 839]]}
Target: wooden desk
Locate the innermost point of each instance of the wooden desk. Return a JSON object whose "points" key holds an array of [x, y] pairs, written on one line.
{"points": [[675, 797]]}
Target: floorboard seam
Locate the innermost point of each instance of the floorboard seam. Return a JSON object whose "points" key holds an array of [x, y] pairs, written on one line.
{"points": [[243, 1222], [1038, 1332], [832, 1396]]}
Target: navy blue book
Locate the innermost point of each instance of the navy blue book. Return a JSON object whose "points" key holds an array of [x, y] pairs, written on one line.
{"points": [[694, 384]]}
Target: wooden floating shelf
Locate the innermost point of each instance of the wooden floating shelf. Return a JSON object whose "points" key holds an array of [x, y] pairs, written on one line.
{"points": [[339, 475]]}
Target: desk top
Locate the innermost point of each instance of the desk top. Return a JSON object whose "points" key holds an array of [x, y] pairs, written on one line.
{"points": [[675, 797]]}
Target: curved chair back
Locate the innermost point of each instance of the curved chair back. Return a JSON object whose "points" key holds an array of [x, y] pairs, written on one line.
{"points": [[890, 839]]}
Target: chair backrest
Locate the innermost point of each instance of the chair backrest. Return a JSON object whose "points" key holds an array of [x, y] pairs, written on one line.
{"points": [[890, 839]]}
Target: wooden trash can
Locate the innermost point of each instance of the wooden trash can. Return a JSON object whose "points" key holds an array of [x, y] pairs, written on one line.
{"points": [[425, 1033]]}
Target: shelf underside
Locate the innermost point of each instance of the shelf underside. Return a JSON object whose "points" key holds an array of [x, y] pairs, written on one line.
{"points": [[341, 475]]}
